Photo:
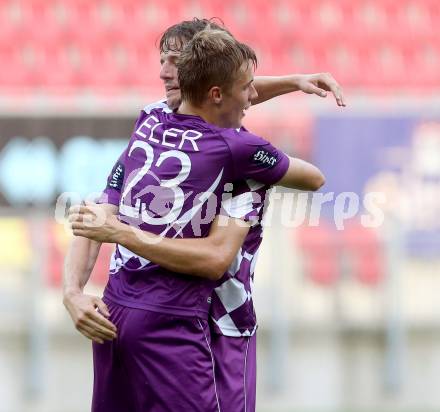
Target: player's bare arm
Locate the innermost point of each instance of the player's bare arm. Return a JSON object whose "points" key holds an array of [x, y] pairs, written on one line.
{"points": [[207, 257], [269, 87], [302, 175], [88, 312]]}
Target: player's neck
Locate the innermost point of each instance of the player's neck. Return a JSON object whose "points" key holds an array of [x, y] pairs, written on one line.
{"points": [[207, 115]]}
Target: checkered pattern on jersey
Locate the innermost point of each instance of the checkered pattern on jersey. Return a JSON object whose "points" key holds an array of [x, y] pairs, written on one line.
{"points": [[232, 308]]}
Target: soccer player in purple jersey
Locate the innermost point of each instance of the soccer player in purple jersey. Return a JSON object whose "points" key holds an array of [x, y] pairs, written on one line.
{"points": [[199, 159], [223, 289], [82, 253]]}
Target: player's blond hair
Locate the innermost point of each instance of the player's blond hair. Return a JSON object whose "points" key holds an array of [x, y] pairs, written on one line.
{"points": [[211, 58]]}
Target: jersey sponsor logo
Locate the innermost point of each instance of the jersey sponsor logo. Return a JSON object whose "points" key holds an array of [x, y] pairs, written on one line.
{"points": [[264, 158], [117, 178]]}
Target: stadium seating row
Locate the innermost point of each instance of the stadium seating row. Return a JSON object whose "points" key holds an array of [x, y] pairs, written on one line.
{"points": [[329, 255], [79, 43], [294, 14], [382, 65]]}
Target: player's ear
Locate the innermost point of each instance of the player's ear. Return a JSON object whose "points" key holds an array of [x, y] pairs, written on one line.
{"points": [[215, 94]]}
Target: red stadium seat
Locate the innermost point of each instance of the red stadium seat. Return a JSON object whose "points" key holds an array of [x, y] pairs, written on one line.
{"points": [[215, 9], [14, 19], [323, 249], [385, 61], [339, 55], [363, 250], [424, 59], [298, 53], [326, 16], [289, 17], [22, 70], [152, 15], [320, 255], [370, 19], [120, 65], [65, 63], [415, 18]]}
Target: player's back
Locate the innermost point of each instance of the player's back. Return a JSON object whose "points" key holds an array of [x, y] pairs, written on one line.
{"points": [[175, 170], [173, 165]]}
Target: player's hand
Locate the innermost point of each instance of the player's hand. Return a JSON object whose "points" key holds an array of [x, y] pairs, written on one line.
{"points": [[320, 84], [94, 222], [89, 314]]}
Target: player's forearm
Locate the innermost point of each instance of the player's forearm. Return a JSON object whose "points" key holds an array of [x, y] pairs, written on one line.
{"points": [[79, 263], [269, 87], [197, 257]]}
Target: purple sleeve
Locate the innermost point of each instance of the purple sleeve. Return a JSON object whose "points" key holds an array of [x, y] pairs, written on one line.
{"points": [[115, 180], [112, 192], [255, 158]]}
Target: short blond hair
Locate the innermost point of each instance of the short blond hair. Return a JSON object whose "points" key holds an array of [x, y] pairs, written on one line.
{"points": [[211, 58]]}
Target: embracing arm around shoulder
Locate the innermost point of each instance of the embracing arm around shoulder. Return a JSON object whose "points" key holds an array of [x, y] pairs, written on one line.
{"points": [[207, 257]]}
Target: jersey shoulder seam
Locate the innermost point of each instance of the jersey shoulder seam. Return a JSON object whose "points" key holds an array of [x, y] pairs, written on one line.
{"points": [[160, 104]]}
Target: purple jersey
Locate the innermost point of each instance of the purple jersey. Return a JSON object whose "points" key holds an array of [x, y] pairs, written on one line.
{"points": [[170, 181]]}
